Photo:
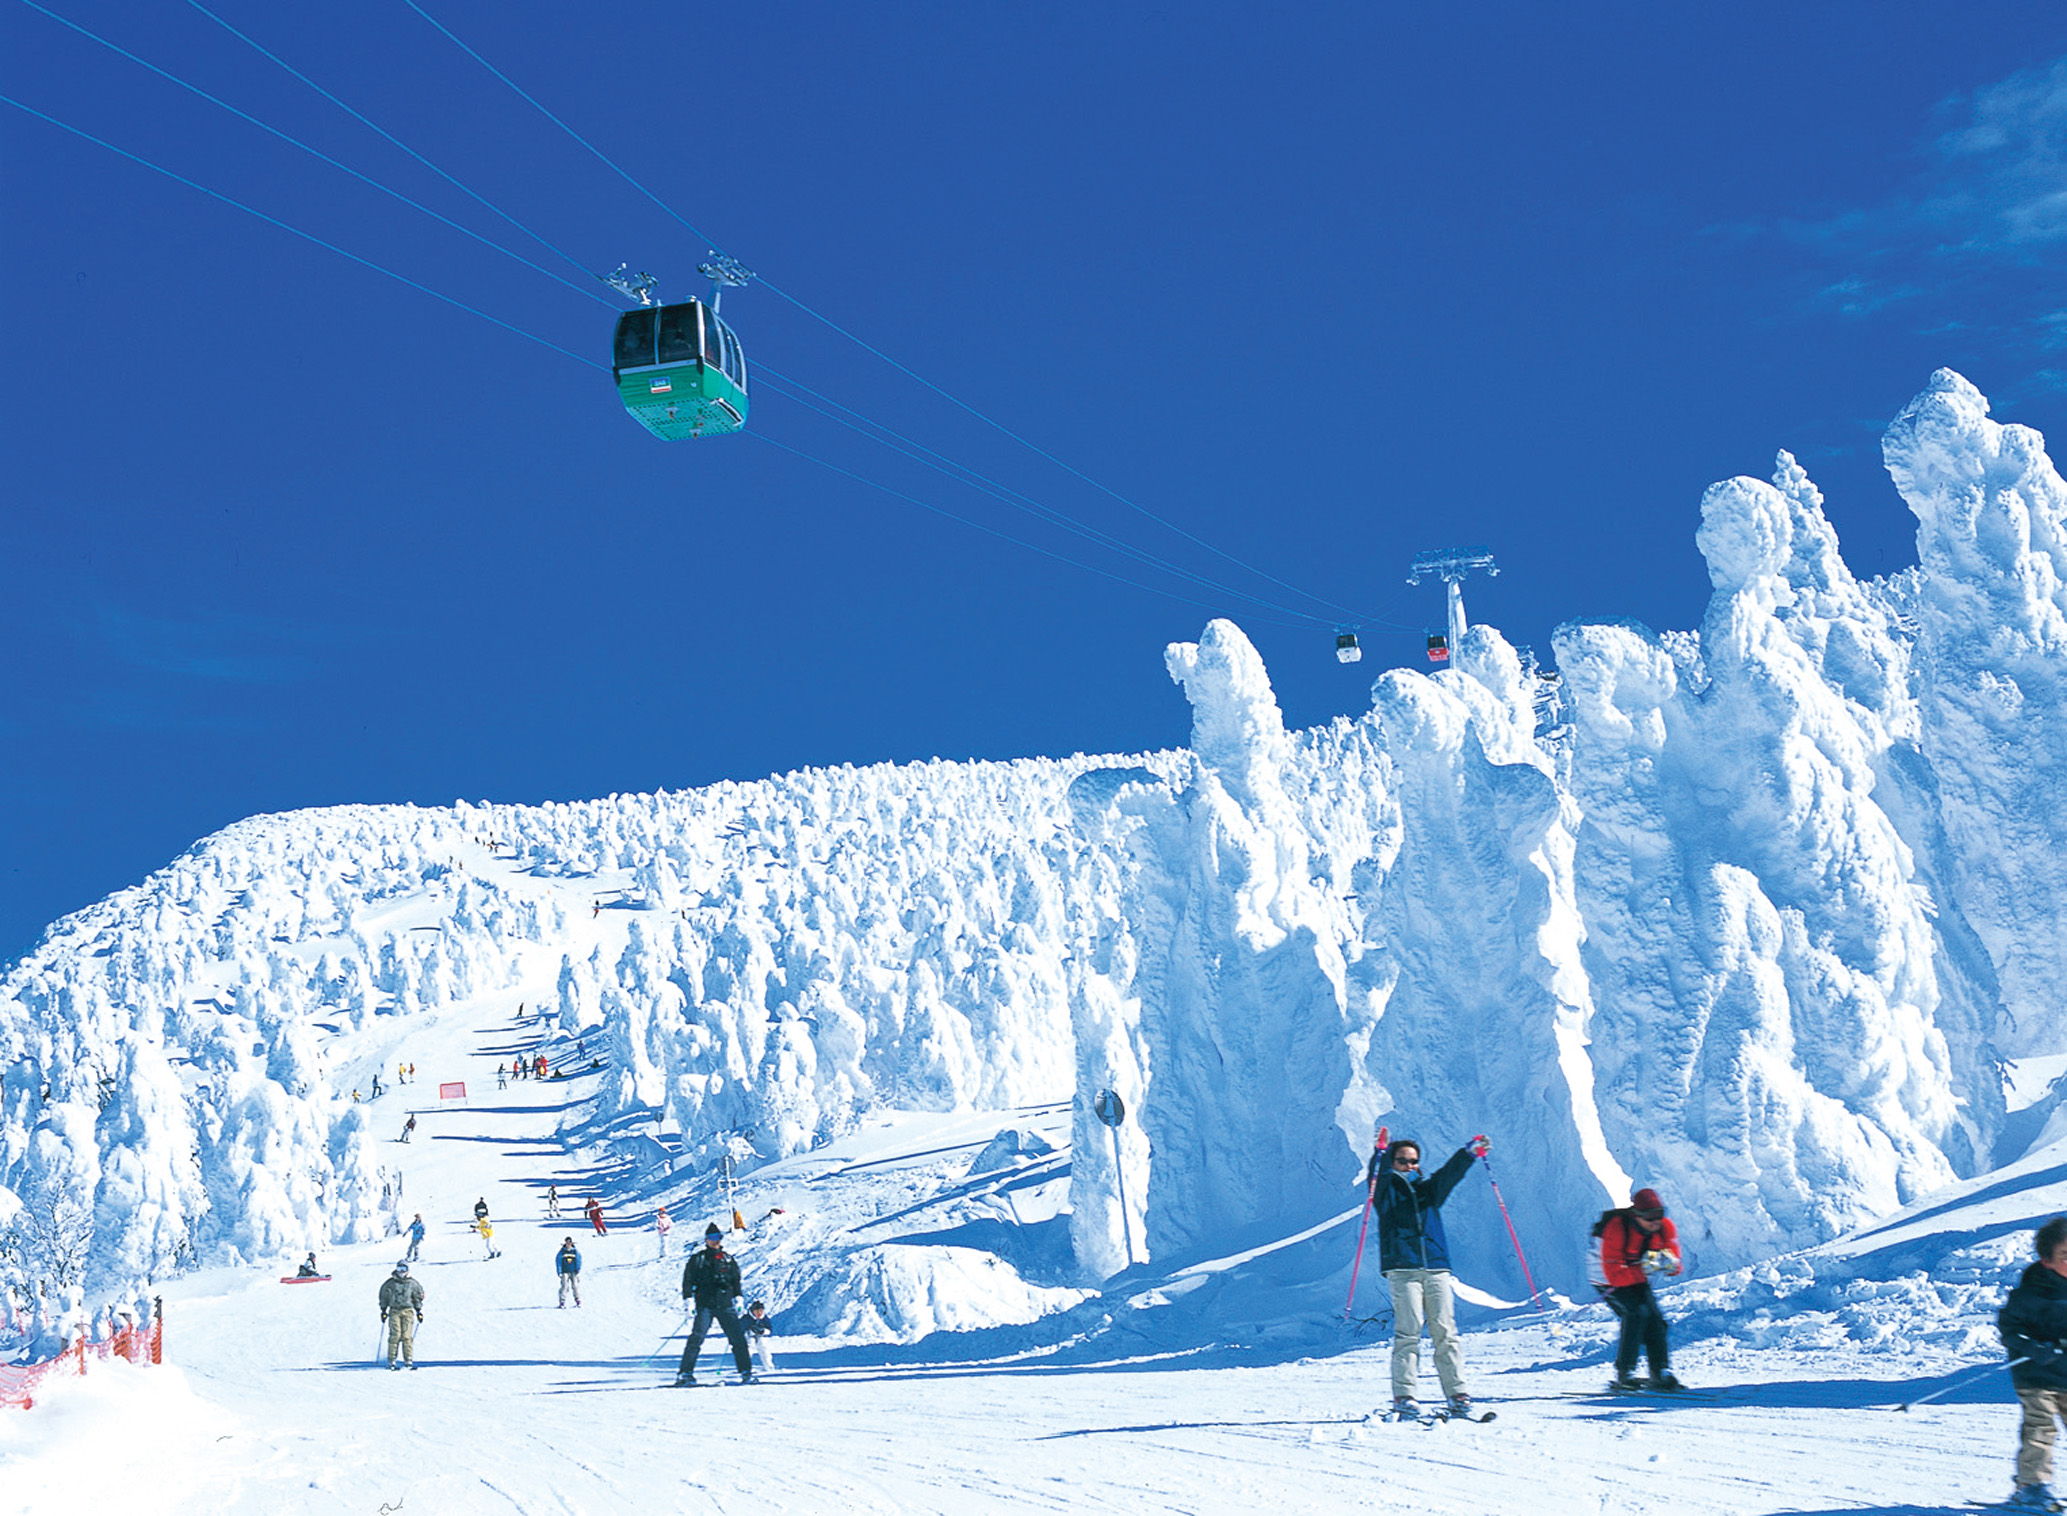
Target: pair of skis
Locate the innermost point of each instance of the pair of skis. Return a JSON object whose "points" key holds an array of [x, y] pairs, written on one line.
{"points": [[1436, 1416]]}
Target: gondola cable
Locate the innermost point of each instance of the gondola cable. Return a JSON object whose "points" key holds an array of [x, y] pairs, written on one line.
{"points": [[401, 278], [115, 47], [869, 347]]}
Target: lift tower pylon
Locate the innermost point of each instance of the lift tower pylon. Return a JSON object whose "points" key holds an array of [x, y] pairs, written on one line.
{"points": [[1451, 564]]}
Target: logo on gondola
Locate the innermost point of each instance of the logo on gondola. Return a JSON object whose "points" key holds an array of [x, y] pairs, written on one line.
{"points": [[660, 386]]}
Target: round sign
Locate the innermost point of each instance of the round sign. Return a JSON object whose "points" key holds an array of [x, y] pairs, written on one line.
{"points": [[1110, 1108]]}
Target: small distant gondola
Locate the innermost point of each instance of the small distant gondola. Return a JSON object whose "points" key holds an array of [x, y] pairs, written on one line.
{"points": [[1346, 650], [680, 371], [1438, 648]]}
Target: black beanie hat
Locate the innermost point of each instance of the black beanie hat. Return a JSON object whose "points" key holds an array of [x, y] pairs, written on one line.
{"points": [[711, 1231]]}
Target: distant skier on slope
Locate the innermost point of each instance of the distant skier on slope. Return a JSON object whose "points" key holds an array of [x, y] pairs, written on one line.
{"points": [[552, 1202], [662, 1225], [594, 1211], [711, 1280], [1636, 1242], [401, 1307], [408, 1127], [2033, 1323], [487, 1230], [415, 1237], [1414, 1256], [480, 1209], [567, 1264]]}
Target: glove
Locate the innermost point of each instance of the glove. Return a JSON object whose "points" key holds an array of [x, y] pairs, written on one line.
{"points": [[1480, 1145], [383, 1315]]}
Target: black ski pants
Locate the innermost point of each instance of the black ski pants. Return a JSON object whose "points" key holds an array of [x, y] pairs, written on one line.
{"points": [[1643, 1328], [727, 1316]]}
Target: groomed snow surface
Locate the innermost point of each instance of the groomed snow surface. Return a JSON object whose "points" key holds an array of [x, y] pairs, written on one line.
{"points": [[272, 1402]]}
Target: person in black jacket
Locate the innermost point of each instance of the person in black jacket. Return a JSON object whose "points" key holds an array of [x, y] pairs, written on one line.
{"points": [[2033, 1323], [711, 1279], [1415, 1259]]}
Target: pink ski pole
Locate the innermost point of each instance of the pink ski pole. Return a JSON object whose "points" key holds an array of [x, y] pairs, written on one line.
{"points": [[1370, 1193], [1479, 1145]]}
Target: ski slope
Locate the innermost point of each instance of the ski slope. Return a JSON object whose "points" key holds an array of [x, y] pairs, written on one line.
{"points": [[272, 1402]]}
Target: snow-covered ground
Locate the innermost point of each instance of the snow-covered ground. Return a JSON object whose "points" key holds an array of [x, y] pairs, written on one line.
{"points": [[272, 1401]]}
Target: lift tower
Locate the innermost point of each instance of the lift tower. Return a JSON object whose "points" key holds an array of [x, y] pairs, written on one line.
{"points": [[1450, 565]]}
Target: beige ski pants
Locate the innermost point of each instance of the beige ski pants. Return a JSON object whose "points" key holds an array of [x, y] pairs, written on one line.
{"points": [[2039, 1431], [1422, 1296], [402, 1334]]}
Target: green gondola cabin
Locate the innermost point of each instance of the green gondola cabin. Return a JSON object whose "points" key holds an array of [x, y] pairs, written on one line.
{"points": [[680, 371]]}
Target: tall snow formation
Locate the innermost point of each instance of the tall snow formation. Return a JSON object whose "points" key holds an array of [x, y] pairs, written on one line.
{"points": [[1754, 925]]}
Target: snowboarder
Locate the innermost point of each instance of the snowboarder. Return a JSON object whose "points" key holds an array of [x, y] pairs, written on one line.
{"points": [[567, 1263], [1637, 1241], [711, 1280], [594, 1211], [662, 1225], [1414, 1256], [552, 1202], [415, 1237], [2033, 1323], [760, 1326], [308, 1269], [401, 1307], [408, 1127], [487, 1232]]}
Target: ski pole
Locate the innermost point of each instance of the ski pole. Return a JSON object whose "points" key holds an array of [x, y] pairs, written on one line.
{"points": [[1370, 1194], [1479, 1146], [667, 1339], [1969, 1379]]}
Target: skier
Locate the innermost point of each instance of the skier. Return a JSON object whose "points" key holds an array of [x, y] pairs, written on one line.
{"points": [[662, 1225], [552, 1202], [408, 1127], [487, 1232], [2033, 1323], [501, 1078], [711, 1280], [1414, 1256], [415, 1237], [401, 1307], [377, 1089], [1637, 1241], [594, 1211], [308, 1269], [567, 1263], [480, 1209], [760, 1326]]}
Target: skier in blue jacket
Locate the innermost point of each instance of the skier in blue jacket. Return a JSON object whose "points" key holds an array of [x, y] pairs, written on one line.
{"points": [[567, 1263], [1415, 1258]]}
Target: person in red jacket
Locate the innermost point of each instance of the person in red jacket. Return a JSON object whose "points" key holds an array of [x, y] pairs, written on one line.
{"points": [[1636, 1242], [594, 1211]]}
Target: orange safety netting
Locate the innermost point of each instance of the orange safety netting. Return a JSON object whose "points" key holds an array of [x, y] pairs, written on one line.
{"points": [[136, 1344]]}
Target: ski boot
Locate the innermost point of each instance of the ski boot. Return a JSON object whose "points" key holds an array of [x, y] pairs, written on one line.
{"points": [[2032, 1497], [1667, 1383], [1625, 1384], [1458, 1406], [685, 1381], [1405, 1408]]}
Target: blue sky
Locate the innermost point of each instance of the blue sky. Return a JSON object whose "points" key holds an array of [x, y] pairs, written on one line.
{"points": [[1319, 285]]}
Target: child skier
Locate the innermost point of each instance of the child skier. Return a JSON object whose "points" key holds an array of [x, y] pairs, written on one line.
{"points": [[415, 1237], [487, 1231], [2033, 1323], [662, 1225], [759, 1328]]}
